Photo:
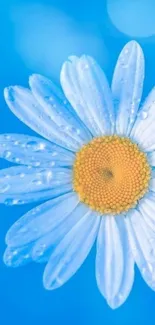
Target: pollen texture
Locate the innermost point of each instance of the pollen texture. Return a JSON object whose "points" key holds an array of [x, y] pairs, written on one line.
{"points": [[110, 174]]}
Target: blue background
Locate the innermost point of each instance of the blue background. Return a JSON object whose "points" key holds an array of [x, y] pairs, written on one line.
{"points": [[22, 297]]}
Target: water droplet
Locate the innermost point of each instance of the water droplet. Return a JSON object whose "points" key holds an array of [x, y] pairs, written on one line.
{"points": [[36, 163], [41, 146], [6, 154], [15, 252], [86, 66], [125, 66], [49, 175], [22, 175], [143, 115], [23, 230], [132, 120], [40, 250], [7, 176], [17, 160], [31, 143], [11, 201], [4, 188], [150, 267], [78, 131], [8, 137], [54, 153], [16, 143], [37, 182], [126, 51], [120, 296], [26, 256]]}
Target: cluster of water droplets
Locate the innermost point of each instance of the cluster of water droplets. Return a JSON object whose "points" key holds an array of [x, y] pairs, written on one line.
{"points": [[15, 257], [18, 184], [127, 94], [33, 151], [59, 112], [142, 130]]}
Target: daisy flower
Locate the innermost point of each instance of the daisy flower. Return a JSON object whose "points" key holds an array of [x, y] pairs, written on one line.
{"points": [[94, 172]]}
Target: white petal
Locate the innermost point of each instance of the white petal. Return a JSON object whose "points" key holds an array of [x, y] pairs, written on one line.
{"points": [[71, 252], [25, 106], [114, 263], [60, 227], [21, 184], [142, 240], [33, 151], [41, 220], [15, 257], [152, 181], [58, 108], [151, 158], [143, 129], [86, 87], [127, 86], [147, 208]]}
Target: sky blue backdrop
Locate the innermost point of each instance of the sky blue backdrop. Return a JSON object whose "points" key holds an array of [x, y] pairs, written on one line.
{"points": [[22, 297]]}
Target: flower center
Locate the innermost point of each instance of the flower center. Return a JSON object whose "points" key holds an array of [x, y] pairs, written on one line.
{"points": [[111, 174]]}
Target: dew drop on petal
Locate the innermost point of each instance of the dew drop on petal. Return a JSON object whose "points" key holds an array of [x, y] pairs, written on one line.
{"points": [[4, 188], [13, 201], [37, 163], [143, 115], [6, 154], [22, 175], [37, 182]]}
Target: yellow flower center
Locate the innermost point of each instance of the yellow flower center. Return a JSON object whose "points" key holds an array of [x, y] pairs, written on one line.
{"points": [[111, 174]]}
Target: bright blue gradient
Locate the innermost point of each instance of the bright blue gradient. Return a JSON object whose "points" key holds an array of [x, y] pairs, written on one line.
{"points": [[134, 18], [87, 29]]}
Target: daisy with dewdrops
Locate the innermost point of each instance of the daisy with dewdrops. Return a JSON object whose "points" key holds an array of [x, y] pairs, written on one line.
{"points": [[95, 172]]}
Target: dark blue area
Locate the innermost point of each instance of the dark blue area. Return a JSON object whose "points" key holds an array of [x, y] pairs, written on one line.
{"points": [[22, 297]]}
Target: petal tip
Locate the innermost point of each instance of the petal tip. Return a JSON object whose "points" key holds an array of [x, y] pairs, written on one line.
{"points": [[72, 58], [9, 94], [46, 284], [51, 282], [33, 78], [7, 258], [132, 45]]}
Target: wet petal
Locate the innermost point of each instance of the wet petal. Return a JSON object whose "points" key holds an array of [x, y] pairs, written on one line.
{"points": [[43, 219], [56, 106], [127, 86], [86, 87], [152, 181], [151, 158], [142, 240], [33, 151], [25, 106], [18, 256], [147, 209], [114, 263], [71, 252], [44, 246], [143, 129], [21, 184]]}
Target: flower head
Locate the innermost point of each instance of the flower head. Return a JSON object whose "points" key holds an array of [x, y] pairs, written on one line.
{"points": [[95, 170]]}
